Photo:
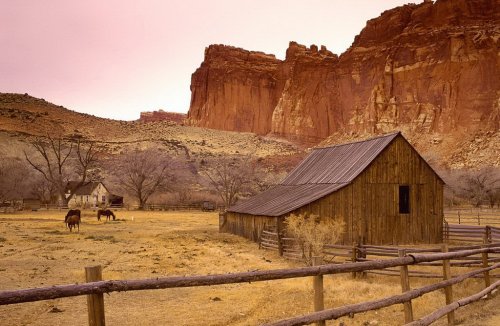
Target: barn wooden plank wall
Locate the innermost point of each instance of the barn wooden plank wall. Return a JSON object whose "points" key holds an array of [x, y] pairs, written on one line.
{"points": [[248, 226], [370, 204]]}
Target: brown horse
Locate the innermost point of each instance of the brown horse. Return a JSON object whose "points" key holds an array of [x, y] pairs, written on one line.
{"points": [[73, 221], [107, 213], [72, 212]]}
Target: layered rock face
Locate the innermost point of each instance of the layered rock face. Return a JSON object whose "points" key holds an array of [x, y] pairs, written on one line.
{"points": [[426, 68], [234, 90]]}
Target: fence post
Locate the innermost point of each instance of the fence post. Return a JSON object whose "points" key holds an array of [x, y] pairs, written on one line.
{"points": [[354, 257], [458, 216], [405, 287], [487, 234], [95, 302], [484, 257], [446, 231], [448, 291], [362, 254], [278, 231], [319, 303], [478, 219]]}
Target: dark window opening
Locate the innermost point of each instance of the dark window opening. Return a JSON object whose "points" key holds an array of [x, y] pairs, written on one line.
{"points": [[404, 199]]}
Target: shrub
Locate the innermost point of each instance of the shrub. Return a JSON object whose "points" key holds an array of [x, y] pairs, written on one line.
{"points": [[313, 233]]}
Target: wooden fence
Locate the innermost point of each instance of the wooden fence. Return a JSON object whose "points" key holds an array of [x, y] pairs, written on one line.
{"points": [[485, 235], [473, 216], [95, 288], [470, 233]]}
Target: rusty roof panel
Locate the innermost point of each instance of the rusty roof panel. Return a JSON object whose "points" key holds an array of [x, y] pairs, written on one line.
{"points": [[283, 199], [338, 164]]}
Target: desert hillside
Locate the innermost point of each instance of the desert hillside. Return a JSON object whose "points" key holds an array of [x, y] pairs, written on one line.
{"points": [[430, 70], [23, 117]]}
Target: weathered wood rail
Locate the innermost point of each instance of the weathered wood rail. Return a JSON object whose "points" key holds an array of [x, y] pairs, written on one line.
{"points": [[361, 253], [473, 216], [470, 233], [100, 287]]}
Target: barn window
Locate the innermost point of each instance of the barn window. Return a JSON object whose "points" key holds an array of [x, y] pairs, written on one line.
{"points": [[404, 199]]}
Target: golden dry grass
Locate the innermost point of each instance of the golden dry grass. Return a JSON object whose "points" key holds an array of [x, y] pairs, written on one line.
{"points": [[36, 250]]}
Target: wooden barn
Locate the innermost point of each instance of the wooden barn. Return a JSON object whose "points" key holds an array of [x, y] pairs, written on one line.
{"points": [[382, 188]]}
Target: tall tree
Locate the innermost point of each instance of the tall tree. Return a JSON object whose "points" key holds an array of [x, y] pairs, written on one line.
{"points": [[14, 178], [142, 174], [59, 160], [230, 177], [481, 185]]}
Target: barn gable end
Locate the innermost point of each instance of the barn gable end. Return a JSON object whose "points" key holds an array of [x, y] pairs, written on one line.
{"points": [[382, 188]]}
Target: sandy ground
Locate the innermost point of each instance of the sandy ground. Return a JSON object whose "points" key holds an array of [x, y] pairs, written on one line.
{"points": [[36, 250]]}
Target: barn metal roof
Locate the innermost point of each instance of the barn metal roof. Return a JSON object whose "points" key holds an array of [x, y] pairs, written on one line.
{"points": [[338, 164], [322, 172], [283, 199]]}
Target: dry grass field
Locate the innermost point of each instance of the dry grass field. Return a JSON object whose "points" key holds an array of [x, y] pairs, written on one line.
{"points": [[37, 250]]}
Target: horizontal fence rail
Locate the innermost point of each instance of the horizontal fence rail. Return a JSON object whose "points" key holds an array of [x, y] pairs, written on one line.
{"points": [[473, 216], [376, 304], [94, 290], [429, 319], [61, 291]]}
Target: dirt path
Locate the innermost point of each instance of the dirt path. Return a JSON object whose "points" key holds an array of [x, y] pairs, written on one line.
{"points": [[37, 250]]}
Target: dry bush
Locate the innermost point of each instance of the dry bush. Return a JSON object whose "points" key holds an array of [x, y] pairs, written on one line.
{"points": [[313, 233]]}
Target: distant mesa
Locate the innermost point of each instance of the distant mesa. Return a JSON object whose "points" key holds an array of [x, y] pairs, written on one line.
{"points": [[160, 115]]}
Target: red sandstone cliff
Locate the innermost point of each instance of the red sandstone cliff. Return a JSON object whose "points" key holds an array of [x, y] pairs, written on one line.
{"points": [[431, 67], [234, 90]]}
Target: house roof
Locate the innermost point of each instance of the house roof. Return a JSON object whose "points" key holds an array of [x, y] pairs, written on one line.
{"points": [[321, 173]]}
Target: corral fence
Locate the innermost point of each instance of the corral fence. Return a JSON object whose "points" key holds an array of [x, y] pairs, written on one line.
{"points": [[151, 207], [188, 207], [470, 233], [95, 287], [482, 236], [473, 216]]}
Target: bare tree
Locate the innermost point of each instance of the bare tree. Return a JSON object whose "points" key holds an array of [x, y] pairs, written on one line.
{"points": [[230, 177], [42, 189], [14, 178], [59, 160], [481, 185], [142, 174]]}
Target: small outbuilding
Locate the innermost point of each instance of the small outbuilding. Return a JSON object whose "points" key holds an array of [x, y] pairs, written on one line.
{"points": [[385, 192]]}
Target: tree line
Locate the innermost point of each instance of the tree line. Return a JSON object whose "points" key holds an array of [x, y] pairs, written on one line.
{"points": [[143, 175]]}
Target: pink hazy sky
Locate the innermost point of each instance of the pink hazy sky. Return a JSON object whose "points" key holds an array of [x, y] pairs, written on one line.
{"points": [[116, 58]]}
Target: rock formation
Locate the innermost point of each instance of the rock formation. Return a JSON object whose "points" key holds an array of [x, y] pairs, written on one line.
{"points": [[160, 115], [234, 90], [426, 68]]}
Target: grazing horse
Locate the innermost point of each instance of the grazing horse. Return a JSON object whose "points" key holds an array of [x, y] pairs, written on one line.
{"points": [[73, 221], [71, 212], [105, 212]]}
